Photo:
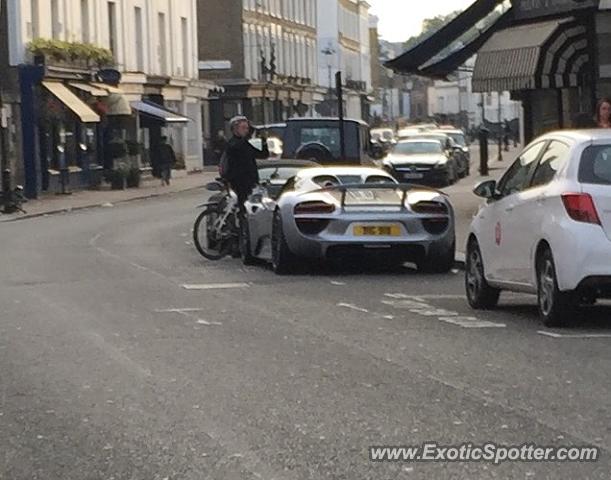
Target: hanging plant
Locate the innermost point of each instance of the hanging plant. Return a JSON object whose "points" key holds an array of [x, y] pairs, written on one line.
{"points": [[59, 51]]}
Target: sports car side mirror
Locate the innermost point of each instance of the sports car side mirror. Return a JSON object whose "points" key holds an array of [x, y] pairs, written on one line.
{"points": [[486, 189]]}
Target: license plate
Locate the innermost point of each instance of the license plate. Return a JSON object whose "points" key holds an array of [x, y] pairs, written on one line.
{"points": [[377, 230], [413, 176]]}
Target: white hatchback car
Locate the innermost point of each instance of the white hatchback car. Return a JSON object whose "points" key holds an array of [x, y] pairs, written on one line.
{"points": [[546, 227]]}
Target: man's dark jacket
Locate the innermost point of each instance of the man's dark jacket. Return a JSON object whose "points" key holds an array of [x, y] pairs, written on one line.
{"points": [[242, 173]]}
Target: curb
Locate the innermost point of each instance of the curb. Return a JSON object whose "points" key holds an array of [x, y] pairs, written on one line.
{"points": [[29, 216]]}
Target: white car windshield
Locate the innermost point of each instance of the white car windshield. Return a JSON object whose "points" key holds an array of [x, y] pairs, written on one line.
{"points": [[415, 148]]}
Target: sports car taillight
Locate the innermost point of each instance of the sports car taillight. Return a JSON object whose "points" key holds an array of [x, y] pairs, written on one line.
{"points": [[580, 207], [431, 208], [313, 207]]}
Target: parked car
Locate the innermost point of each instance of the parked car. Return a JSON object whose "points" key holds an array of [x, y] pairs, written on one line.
{"points": [[407, 133], [328, 212], [421, 160], [454, 150], [546, 227], [275, 130], [458, 136], [273, 144], [318, 139]]}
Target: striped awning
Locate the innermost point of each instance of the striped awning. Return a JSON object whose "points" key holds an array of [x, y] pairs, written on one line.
{"points": [[552, 54]]}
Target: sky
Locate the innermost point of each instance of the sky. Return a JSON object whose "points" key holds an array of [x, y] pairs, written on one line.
{"points": [[401, 19]]}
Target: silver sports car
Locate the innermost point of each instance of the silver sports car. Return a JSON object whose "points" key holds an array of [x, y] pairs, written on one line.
{"points": [[326, 212]]}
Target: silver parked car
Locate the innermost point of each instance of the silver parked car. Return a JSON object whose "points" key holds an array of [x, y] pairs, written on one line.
{"points": [[327, 212]]}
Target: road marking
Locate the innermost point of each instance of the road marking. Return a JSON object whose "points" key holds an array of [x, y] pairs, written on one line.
{"points": [[417, 304], [189, 313], [585, 335], [424, 297], [471, 322], [353, 307], [338, 284], [214, 286], [179, 310]]}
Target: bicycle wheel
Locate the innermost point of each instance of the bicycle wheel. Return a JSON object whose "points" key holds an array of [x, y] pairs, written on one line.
{"points": [[210, 243]]}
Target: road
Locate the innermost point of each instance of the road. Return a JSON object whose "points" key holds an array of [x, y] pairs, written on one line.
{"points": [[124, 355]]}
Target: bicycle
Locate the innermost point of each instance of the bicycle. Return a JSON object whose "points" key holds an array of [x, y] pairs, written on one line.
{"points": [[11, 201], [216, 230]]}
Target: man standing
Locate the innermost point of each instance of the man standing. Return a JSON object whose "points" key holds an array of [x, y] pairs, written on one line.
{"points": [[241, 167], [167, 159]]}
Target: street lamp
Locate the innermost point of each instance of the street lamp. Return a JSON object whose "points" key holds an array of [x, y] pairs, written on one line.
{"points": [[328, 52]]}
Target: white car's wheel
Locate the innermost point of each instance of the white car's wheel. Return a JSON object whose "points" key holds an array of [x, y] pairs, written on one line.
{"points": [[283, 260], [555, 307], [480, 294]]}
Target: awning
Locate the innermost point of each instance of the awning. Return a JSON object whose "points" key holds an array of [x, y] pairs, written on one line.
{"points": [[105, 86], [70, 100], [442, 68], [90, 89], [158, 112], [410, 61], [552, 54]]}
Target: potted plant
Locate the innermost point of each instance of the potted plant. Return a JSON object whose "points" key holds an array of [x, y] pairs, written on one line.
{"points": [[133, 176]]}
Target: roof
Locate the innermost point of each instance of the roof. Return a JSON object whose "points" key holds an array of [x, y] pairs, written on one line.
{"points": [[328, 119], [313, 172], [419, 140], [586, 135]]}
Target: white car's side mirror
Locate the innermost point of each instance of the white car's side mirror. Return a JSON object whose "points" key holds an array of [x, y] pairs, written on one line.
{"points": [[486, 189]]}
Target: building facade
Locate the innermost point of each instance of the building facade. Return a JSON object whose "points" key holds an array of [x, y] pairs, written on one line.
{"points": [[263, 53], [153, 69], [344, 45]]}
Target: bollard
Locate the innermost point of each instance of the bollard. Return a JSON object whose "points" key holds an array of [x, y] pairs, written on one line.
{"points": [[6, 191], [483, 151]]}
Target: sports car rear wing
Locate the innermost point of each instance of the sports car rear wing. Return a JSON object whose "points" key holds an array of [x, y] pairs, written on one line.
{"points": [[368, 194]]}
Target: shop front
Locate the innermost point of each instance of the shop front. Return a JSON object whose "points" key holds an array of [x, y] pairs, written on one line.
{"points": [[550, 54]]}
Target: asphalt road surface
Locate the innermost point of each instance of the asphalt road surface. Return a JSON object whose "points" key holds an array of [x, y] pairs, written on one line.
{"points": [[125, 355]]}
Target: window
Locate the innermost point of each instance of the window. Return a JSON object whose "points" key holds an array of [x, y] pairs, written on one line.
{"points": [[163, 55], [417, 148], [554, 158], [328, 136], [35, 19], [56, 26], [517, 177], [595, 167], [112, 27], [85, 21], [139, 39]]}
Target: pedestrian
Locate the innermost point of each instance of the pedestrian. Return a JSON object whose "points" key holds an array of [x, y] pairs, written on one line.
{"points": [[240, 168], [167, 159], [603, 113]]}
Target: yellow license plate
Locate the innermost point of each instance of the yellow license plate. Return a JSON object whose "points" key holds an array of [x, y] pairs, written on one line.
{"points": [[377, 230]]}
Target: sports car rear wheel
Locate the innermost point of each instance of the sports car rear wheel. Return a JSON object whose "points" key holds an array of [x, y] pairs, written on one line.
{"points": [[283, 260], [438, 261]]}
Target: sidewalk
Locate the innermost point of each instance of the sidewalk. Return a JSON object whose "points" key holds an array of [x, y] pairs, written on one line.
{"points": [[465, 203], [50, 203]]}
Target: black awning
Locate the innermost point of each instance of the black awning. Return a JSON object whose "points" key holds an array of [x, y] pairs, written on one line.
{"points": [[551, 54], [410, 61], [442, 68]]}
